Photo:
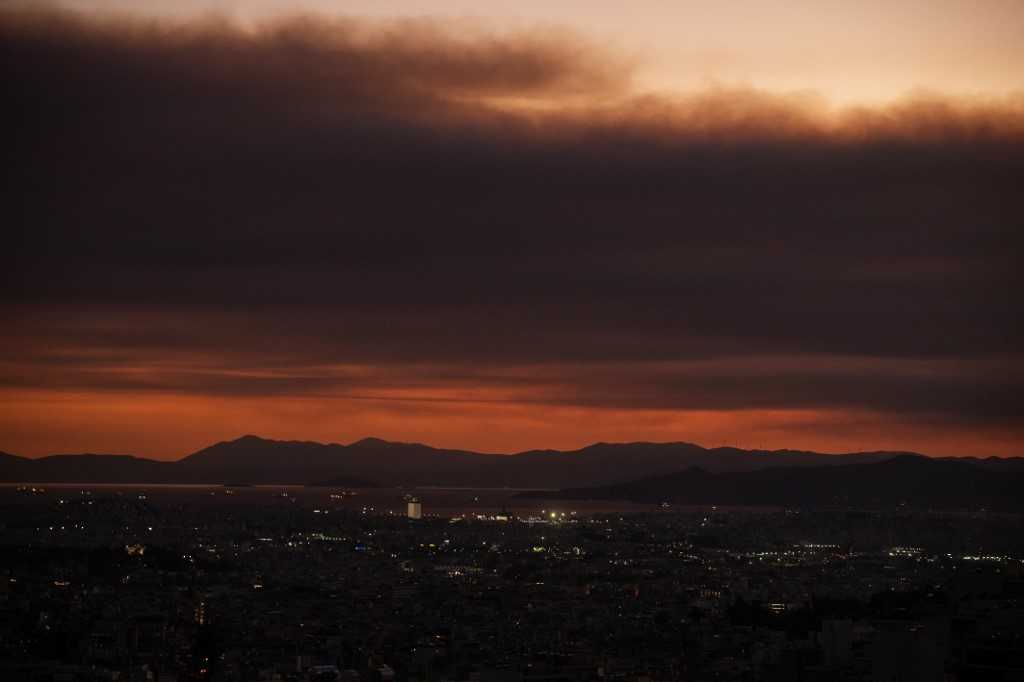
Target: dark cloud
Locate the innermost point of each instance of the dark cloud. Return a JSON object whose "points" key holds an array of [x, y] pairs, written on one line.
{"points": [[314, 193]]}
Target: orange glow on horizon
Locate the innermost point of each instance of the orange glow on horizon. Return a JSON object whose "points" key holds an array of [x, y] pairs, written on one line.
{"points": [[169, 426], [773, 224]]}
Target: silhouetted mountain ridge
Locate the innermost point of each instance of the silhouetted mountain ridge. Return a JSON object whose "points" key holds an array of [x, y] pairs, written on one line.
{"points": [[913, 480], [252, 459]]}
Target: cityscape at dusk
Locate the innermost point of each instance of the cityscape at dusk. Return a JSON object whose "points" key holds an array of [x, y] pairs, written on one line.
{"points": [[565, 341]]}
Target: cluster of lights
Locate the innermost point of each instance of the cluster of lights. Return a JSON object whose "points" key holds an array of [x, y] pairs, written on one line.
{"points": [[550, 517], [905, 551], [323, 537]]}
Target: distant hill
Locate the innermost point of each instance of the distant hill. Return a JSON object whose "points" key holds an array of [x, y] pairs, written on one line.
{"points": [[85, 468], [994, 463], [92, 468], [917, 481], [14, 468], [251, 459]]}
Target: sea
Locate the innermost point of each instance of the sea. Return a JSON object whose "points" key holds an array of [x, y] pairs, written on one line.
{"points": [[435, 501]]}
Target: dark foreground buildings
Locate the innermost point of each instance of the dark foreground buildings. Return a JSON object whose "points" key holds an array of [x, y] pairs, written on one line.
{"points": [[109, 584]]}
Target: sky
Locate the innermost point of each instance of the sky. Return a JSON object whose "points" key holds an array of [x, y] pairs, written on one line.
{"points": [[506, 226], [851, 52]]}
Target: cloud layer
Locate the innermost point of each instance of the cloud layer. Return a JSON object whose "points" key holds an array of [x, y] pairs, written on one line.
{"points": [[339, 210]]}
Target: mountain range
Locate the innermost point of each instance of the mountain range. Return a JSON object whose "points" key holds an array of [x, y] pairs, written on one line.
{"points": [[375, 462], [915, 481]]}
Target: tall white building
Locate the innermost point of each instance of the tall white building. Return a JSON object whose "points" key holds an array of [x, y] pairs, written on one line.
{"points": [[415, 509]]}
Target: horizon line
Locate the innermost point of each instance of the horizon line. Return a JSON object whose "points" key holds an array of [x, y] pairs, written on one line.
{"points": [[499, 454]]}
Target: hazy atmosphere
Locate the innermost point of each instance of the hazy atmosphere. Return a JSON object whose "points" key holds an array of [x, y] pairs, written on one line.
{"points": [[758, 224], [467, 341]]}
